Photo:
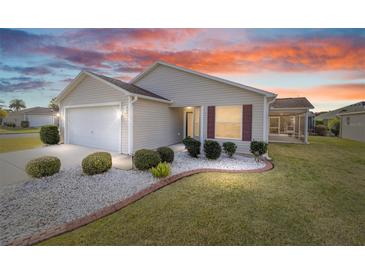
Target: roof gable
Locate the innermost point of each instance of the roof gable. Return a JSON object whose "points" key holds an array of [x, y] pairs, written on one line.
{"points": [[214, 78], [125, 88], [298, 102]]}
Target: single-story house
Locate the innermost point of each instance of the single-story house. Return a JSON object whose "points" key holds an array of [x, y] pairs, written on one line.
{"points": [[166, 103], [326, 117], [37, 116], [352, 125]]}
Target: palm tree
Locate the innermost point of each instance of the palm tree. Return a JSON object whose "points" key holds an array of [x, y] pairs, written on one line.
{"points": [[17, 104]]}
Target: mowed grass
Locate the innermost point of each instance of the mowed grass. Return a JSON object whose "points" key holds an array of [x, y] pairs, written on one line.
{"points": [[315, 195], [19, 143], [6, 130]]}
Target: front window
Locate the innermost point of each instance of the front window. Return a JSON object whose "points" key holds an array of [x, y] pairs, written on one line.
{"points": [[228, 122]]}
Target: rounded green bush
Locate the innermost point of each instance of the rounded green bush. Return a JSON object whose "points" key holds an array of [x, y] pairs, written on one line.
{"points": [[24, 124], [49, 134], [145, 159], [258, 148], [321, 130], [43, 166], [96, 163], [192, 146], [212, 149], [166, 154], [229, 148]]}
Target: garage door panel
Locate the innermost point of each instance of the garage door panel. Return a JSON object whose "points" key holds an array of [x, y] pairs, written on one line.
{"points": [[97, 127]]}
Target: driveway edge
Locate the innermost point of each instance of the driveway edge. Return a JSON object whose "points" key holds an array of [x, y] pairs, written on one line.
{"points": [[57, 230]]}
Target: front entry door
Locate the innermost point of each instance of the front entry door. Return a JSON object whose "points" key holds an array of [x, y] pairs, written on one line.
{"points": [[189, 124]]}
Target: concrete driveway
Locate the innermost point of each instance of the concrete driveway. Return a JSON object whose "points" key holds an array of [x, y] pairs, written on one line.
{"points": [[12, 164]]}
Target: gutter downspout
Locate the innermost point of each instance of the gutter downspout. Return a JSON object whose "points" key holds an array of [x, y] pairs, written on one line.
{"points": [[267, 131], [131, 101]]}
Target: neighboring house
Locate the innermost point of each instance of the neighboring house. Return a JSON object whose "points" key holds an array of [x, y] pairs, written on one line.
{"points": [[37, 116], [352, 124], [326, 117], [166, 103]]}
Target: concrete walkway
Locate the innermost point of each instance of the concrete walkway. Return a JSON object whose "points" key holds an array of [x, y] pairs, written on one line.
{"points": [[12, 164]]}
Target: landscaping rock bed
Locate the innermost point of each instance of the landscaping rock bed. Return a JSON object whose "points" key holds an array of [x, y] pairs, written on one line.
{"points": [[43, 203]]}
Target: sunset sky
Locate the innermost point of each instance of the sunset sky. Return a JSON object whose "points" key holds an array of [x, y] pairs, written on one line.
{"points": [[325, 65]]}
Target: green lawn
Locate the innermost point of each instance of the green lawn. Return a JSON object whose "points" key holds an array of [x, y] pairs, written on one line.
{"points": [[6, 130], [19, 143], [315, 195]]}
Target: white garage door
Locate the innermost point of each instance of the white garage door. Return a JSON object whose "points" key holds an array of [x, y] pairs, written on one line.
{"points": [[97, 127], [40, 120]]}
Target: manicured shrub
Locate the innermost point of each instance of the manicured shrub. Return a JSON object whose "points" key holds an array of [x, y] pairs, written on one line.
{"points": [[161, 170], [50, 135], [229, 148], [166, 154], [96, 163], [212, 149], [43, 166], [258, 148], [319, 122], [9, 124], [192, 146], [24, 124], [334, 126], [321, 130], [145, 159]]}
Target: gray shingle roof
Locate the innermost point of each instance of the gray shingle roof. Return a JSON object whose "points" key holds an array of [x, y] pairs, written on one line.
{"points": [[298, 102], [360, 106], [36, 110], [129, 87]]}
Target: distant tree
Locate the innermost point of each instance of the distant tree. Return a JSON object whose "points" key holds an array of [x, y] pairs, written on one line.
{"points": [[17, 104], [334, 126], [3, 114], [52, 104]]}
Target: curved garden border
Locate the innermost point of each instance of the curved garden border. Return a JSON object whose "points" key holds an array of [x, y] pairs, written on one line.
{"points": [[57, 230]]}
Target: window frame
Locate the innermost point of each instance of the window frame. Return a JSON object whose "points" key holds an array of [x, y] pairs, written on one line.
{"points": [[241, 120]]}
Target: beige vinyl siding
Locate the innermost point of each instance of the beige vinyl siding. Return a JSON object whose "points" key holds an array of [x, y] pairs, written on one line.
{"points": [[93, 91], [186, 89], [156, 124], [356, 129]]}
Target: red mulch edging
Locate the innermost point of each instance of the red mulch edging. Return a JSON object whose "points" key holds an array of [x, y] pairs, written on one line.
{"points": [[57, 230]]}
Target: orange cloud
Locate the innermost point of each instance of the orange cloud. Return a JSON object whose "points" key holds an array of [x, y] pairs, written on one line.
{"points": [[285, 55], [329, 92]]}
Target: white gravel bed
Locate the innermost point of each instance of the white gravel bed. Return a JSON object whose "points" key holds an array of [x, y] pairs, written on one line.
{"points": [[43, 203]]}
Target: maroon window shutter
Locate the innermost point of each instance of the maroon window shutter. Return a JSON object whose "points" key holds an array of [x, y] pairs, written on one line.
{"points": [[246, 122], [211, 122]]}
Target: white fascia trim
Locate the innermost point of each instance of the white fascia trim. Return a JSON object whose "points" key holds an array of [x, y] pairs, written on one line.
{"points": [[126, 92], [153, 66], [117, 103], [79, 77], [281, 109], [69, 87]]}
